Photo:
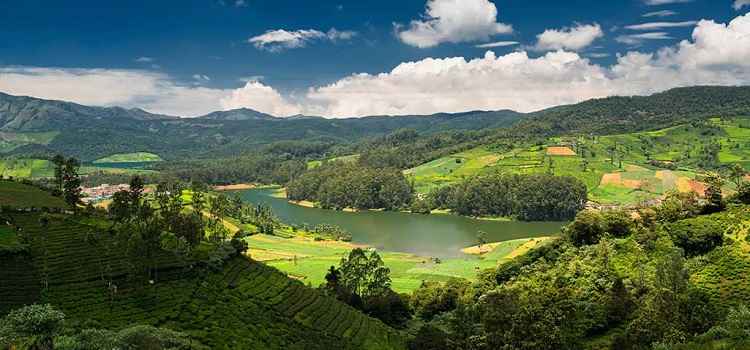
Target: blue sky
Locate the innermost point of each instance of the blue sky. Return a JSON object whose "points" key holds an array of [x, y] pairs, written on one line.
{"points": [[208, 50]]}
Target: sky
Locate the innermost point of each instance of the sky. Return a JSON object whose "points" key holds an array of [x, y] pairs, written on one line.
{"points": [[337, 58]]}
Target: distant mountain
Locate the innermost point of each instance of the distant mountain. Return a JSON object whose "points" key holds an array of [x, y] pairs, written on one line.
{"points": [[32, 126], [239, 114]]}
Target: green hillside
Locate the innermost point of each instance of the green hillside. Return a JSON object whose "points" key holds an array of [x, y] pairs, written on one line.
{"points": [[137, 157], [239, 303], [617, 169]]}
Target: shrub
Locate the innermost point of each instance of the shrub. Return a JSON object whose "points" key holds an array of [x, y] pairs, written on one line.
{"points": [[697, 236], [587, 228]]}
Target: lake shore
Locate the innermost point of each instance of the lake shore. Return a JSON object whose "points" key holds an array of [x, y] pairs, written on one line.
{"points": [[235, 187]]}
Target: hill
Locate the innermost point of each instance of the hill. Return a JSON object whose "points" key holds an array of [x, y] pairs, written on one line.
{"points": [[618, 169], [34, 127], [239, 303]]}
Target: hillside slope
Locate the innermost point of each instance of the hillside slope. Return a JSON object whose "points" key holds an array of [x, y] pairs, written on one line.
{"points": [[243, 304]]}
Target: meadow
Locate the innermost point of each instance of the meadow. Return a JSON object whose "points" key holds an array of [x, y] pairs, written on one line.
{"points": [[42, 168], [308, 260], [137, 157]]}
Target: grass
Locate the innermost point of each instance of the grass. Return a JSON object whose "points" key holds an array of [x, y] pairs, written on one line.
{"points": [[42, 168], [137, 157], [19, 195], [348, 159], [308, 260], [8, 237], [640, 181]]}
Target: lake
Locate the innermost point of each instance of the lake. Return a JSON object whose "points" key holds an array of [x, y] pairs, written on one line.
{"points": [[427, 235]]}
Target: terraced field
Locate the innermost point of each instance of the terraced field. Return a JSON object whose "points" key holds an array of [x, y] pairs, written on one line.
{"points": [[243, 305], [19, 195], [615, 168]]}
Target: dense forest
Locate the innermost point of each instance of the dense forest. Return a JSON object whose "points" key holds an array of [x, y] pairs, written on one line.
{"points": [[615, 280], [539, 197], [340, 185]]}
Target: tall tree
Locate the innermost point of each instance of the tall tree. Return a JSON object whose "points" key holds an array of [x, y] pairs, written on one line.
{"points": [[72, 182]]}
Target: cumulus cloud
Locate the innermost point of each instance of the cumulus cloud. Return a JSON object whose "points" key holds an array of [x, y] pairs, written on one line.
{"points": [[573, 38], [716, 54], [453, 21], [261, 98], [154, 92], [739, 4], [662, 13], [280, 39], [661, 25]]}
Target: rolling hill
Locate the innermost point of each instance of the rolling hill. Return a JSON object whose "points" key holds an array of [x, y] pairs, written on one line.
{"points": [[241, 304], [31, 126]]}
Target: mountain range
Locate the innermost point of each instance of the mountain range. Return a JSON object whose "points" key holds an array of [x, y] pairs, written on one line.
{"points": [[37, 127]]}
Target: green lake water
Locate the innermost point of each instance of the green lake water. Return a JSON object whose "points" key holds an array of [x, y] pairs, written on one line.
{"points": [[428, 235]]}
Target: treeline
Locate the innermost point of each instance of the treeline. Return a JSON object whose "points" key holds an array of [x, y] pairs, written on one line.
{"points": [[339, 185], [537, 197], [251, 168]]}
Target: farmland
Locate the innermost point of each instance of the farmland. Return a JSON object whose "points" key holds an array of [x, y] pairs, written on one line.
{"points": [[617, 169], [137, 157], [243, 304], [42, 168]]}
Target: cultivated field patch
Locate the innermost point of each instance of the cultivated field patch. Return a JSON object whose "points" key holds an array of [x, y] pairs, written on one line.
{"points": [[560, 151]]}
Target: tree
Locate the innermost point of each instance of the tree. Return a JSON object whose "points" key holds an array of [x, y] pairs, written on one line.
{"points": [[71, 183], [713, 194], [587, 228], [737, 174], [481, 238], [429, 338], [35, 326], [59, 162]]}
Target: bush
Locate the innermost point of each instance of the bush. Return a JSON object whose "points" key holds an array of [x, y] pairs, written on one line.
{"points": [[697, 236], [429, 338], [433, 298], [587, 228]]}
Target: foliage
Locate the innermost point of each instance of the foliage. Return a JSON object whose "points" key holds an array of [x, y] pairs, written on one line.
{"points": [[341, 185], [537, 197], [697, 236]]}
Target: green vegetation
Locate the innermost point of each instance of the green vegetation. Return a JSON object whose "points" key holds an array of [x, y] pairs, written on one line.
{"points": [[137, 157], [309, 260], [15, 194], [110, 275]]}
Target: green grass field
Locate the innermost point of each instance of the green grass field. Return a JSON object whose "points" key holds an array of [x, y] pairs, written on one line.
{"points": [[308, 260], [18, 195], [137, 157], [628, 179], [42, 168]]}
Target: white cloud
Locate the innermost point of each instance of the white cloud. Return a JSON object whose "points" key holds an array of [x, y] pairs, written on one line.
{"points": [[154, 92], [261, 98], [664, 2], [662, 13], [716, 54], [574, 38], [498, 44], [599, 55], [453, 21], [280, 39], [637, 39], [739, 4], [240, 3], [144, 59], [661, 25]]}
